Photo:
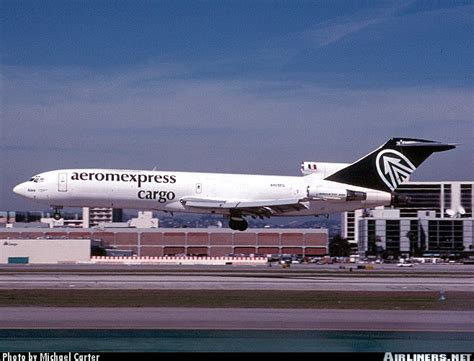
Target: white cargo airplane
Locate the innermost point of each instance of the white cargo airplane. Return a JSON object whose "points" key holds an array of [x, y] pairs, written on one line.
{"points": [[324, 187]]}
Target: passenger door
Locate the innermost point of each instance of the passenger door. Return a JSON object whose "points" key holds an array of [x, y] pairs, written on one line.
{"points": [[62, 182]]}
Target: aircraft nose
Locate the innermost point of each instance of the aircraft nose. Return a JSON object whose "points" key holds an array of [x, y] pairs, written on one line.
{"points": [[20, 189]]}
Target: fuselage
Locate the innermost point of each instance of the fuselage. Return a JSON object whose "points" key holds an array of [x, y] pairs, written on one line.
{"points": [[324, 187], [165, 190]]}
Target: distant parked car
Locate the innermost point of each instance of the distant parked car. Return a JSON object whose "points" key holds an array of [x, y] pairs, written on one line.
{"points": [[405, 264], [469, 260], [285, 260]]}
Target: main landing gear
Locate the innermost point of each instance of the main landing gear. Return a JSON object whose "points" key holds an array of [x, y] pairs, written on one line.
{"points": [[237, 223]]}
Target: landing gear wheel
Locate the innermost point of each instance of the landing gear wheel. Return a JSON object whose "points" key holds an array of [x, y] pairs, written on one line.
{"points": [[240, 225], [56, 214], [243, 225], [233, 225]]}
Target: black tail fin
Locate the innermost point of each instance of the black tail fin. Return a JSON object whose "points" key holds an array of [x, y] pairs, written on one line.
{"points": [[390, 165]]}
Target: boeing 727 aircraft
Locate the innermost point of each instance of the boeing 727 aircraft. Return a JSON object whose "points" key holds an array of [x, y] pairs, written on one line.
{"points": [[322, 189]]}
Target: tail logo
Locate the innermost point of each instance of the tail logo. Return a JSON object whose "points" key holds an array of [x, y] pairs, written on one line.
{"points": [[393, 167]]}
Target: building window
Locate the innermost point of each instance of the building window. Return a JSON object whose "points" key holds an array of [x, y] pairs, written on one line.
{"points": [[466, 200], [446, 235], [392, 236], [433, 235], [350, 226], [445, 229], [458, 235], [422, 197], [413, 237], [447, 197], [371, 237]]}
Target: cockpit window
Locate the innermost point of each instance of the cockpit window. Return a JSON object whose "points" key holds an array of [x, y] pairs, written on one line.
{"points": [[36, 179]]}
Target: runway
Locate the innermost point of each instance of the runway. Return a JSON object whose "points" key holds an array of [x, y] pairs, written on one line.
{"points": [[237, 281], [409, 298], [234, 319]]}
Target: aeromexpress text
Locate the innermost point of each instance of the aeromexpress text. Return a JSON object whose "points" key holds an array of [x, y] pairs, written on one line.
{"points": [[161, 195]]}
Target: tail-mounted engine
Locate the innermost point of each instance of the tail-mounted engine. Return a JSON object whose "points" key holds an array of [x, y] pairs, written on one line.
{"points": [[321, 169], [309, 167], [335, 194]]}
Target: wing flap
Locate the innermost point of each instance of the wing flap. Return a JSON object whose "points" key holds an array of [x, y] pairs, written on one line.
{"points": [[263, 207]]}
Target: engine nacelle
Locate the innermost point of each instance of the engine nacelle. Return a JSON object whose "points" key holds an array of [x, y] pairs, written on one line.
{"points": [[335, 194], [309, 167], [356, 196]]}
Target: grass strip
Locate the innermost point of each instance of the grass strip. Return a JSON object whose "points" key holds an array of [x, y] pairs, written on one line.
{"points": [[238, 299]]}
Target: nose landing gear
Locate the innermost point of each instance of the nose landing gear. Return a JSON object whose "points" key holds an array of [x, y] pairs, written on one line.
{"points": [[57, 214]]}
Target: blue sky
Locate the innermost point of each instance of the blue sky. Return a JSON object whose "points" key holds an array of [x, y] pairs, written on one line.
{"points": [[230, 86]]}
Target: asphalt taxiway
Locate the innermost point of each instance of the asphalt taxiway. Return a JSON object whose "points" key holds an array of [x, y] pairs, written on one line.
{"points": [[233, 319], [235, 283]]}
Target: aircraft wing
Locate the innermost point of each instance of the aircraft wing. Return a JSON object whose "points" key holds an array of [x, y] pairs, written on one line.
{"points": [[266, 208]]}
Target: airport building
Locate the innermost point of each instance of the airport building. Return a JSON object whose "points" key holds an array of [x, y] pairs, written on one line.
{"points": [[436, 220], [44, 251], [157, 242], [93, 217]]}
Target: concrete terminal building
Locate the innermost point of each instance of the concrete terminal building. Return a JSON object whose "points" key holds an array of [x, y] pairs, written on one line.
{"points": [[44, 251], [190, 241], [437, 220]]}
